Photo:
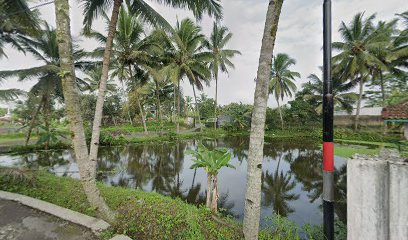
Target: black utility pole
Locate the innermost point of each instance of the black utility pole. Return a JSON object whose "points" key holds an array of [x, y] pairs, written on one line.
{"points": [[328, 147]]}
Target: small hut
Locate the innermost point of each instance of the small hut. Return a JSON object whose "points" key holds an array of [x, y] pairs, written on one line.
{"points": [[397, 113]]}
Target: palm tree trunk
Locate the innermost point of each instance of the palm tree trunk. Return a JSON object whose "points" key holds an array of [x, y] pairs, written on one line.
{"points": [[158, 107], [196, 106], [173, 112], [142, 115], [216, 102], [214, 201], [139, 105], [382, 88], [93, 153], [255, 156], [158, 110], [128, 110], [209, 190], [73, 110], [360, 99], [178, 106], [47, 110], [280, 114], [33, 120]]}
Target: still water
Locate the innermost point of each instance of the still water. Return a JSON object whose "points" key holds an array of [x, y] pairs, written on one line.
{"points": [[291, 179]]}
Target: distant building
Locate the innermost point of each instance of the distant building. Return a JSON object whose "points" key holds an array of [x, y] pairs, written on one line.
{"points": [[397, 113], [368, 117], [7, 117]]}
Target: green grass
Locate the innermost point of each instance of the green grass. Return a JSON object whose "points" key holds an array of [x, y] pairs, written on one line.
{"points": [[349, 151], [141, 215], [367, 143]]}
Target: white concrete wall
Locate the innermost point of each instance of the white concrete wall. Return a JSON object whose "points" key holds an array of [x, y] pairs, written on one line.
{"points": [[377, 199]]}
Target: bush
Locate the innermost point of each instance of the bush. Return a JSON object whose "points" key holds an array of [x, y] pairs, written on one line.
{"points": [[11, 176], [371, 136]]}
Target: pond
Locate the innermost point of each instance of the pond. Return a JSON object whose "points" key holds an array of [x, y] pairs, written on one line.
{"points": [[291, 179]]}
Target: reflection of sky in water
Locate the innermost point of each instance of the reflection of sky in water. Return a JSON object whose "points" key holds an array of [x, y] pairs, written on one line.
{"points": [[123, 166]]}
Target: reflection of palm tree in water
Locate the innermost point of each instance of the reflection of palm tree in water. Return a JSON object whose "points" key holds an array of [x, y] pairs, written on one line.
{"points": [[307, 169], [276, 188]]}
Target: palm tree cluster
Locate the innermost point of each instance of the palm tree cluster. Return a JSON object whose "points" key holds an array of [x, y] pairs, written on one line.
{"points": [[370, 54], [141, 51]]}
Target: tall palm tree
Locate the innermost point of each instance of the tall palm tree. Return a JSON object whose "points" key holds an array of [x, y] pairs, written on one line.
{"points": [[282, 79], [87, 167], [48, 86], [342, 97], [252, 210], [220, 56], [93, 8], [355, 57], [389, 52], [17, 22], [131, 50], [183, 58]]}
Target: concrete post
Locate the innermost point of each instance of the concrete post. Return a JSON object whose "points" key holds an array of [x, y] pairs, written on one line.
{"points": [[406, 131], [398, 201], [367, 200], [377, 198]]}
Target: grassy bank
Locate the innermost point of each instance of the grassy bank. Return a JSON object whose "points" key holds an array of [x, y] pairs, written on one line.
{"points": [[143, 215], [122, 135]]}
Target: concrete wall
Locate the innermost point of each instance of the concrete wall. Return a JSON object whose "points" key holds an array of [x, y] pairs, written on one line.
{"points": [[348, 120], [377, 198]]}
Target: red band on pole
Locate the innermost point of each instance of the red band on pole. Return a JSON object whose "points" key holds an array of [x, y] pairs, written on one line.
{"points": [[328, 156]]}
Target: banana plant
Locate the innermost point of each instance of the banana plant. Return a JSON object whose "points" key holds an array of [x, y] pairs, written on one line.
{"points": [[212, 161]]}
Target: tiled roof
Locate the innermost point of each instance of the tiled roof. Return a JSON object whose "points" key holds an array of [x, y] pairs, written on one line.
{"points": [[399, 111]]}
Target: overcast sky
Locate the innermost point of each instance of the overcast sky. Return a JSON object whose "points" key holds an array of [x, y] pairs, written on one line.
{"points": [[299, 35]]}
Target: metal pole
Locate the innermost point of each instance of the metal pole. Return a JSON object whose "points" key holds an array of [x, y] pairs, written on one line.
{"points": [[328, 147]]}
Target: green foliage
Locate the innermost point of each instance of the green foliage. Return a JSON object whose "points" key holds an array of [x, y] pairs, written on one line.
{"points": [[240, 115], [279, 228], [340, 230], [211, 160], [403, 148], [50, 135], [106, 139], [363, 135], [206, 107]]}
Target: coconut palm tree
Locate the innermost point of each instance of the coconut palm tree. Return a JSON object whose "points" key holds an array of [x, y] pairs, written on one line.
{"points": [[220, 56], [183, 59], [212, 161], [93, 8], [342, 97], [86, 165], [282, 79], [253, 190], [131, 50], [48, 86], [17, 22], [390, 52], [355, 53]]}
